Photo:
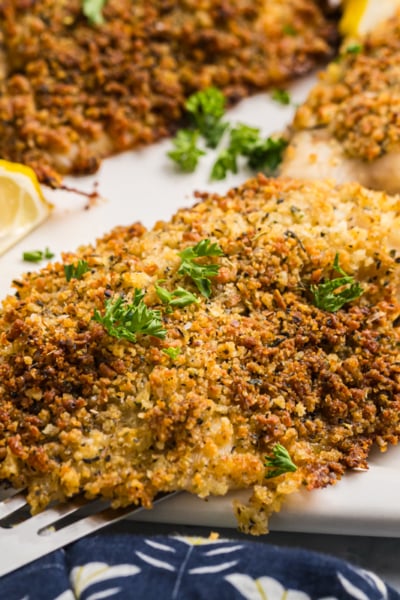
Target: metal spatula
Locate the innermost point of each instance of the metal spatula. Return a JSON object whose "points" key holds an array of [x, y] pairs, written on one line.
{"points": [[24, 538]]}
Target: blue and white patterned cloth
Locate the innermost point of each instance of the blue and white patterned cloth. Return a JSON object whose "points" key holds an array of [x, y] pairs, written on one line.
{"points": [[136, 567]]}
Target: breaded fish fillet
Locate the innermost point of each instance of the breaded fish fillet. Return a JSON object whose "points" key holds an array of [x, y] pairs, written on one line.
{"points": [[349, 126], [72, 93], [250, 363]]}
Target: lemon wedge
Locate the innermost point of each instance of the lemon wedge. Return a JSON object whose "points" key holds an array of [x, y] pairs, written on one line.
{"points": [[22, 204], [361, 16]]}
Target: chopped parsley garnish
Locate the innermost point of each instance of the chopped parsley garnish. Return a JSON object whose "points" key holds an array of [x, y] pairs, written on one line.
{"points": [[173, 353], [243, 138], [207, 108], [333, 294], [281, 96], [200, 273], [177, 298], [354, 48], [279, 463], [261, 153], [289, 29], [225, 163], [186, 153], [76, 271], [124, 321], [266, 155], [92, 9], [37, 255]]}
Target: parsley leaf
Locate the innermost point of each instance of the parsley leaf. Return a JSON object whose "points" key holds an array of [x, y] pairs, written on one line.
{"points": [[123, 320], [200, 273], [263, 154], [76, 271], [266, 155], [354, 48], [172, 352], [241, 139], [226, 161], [280, 462], [326, 294], [281, 96], [37, 255], [202, 248], [207, 108], [178, 297], [186, 153], [289, 30], [92, 9]]}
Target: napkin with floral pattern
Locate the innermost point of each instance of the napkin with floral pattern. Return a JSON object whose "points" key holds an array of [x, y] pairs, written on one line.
{"points": [[133, 567]]}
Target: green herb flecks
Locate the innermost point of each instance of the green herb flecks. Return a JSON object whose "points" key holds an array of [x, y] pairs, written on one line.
{"points": [[354, 48], [263, 154], [37, 255], [242, 139], [281, 96], [206, 109], [333, 294], [279, 463], [92, 9], [125, 321], [173, 353], [178, 298], [289, 30], [200, 273], [266, 155], [76, 271], [186, 153], [225, 163]]}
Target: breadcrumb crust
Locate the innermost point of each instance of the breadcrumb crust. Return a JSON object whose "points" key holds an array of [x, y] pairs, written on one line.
{"points": [[83, 412]]}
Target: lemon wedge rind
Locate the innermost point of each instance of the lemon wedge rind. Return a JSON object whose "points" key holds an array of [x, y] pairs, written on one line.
{"points": [[362, 16], [23, 206]]}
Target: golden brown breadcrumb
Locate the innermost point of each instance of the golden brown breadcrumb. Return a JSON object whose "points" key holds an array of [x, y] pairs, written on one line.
{"points": [[255, 364], [72, 93], [358, 96]]}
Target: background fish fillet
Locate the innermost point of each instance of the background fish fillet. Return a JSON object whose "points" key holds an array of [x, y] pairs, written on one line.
{"points": [[72, 93], [349, 126]]}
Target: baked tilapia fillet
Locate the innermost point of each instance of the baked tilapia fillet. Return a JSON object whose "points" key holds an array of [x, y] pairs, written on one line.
{"points": [[349, 126], [246, 363], [72, 92]]}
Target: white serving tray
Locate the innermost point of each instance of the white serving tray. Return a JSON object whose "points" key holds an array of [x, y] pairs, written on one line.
{"points": [[362, 503]]}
